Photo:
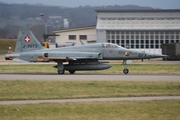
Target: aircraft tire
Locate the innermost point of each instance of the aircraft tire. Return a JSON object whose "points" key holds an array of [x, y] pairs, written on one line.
{"points": [[126, 71], [61, 71], [71, 71]]}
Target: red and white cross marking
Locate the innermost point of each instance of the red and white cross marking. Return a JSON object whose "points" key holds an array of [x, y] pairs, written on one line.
{"points": [[27, 39]]}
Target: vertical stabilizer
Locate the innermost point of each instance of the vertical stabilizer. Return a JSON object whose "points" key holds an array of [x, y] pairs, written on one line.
{"points": [[26, 41]]}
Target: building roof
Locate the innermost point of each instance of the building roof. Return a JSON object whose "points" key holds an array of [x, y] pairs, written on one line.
{"points": [[137, 10], [75, 29]]}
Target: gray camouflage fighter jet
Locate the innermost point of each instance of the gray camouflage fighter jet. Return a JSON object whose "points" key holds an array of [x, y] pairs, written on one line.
{"points": [[83, 57]]}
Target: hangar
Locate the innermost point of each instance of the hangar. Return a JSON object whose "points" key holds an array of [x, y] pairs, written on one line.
{"points": [[144, 30], [139, 29]]}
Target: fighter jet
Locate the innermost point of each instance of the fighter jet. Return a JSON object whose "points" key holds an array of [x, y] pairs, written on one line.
{"points": [[77, 58]]}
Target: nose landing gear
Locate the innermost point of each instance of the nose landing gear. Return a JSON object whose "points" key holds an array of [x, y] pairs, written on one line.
{"points": [[125, 71]]}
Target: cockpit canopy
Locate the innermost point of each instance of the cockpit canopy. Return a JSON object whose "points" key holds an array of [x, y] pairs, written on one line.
{"points": [[110, 45]]}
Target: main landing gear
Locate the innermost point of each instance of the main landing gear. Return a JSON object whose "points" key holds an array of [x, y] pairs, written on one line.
{"points": [[61, 71], [125, 71], [60, 68], [71, 71]]}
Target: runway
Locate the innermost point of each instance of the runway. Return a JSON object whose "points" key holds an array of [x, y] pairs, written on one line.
{"points": [[85, 77]]}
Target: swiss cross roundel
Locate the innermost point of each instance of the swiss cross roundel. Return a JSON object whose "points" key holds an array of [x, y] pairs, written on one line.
{"points": [[27, 39]]}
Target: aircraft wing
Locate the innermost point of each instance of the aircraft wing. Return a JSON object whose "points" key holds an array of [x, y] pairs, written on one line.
{"points": [[53, 56]]}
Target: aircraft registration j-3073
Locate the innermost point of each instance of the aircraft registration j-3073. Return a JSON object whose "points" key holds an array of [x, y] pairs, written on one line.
{"points": [[82, 57]]}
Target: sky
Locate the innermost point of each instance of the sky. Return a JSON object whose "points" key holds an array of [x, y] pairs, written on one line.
{"points": [[161, 4]]}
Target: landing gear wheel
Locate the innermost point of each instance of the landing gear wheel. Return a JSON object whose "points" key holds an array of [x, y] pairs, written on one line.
{"points": [[71, 71], [126, 71], [60, 67], [61, 71]]}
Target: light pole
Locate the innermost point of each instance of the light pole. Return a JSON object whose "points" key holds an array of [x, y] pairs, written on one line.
{"points": [[45, 25], [46, 35]]}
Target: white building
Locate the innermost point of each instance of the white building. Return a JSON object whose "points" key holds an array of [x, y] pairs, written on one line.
{"points": [[74, 35], [136, 29], [66, 23], [139, 29]]}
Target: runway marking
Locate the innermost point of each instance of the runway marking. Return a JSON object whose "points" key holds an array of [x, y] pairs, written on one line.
{"points": [[91, 100]]}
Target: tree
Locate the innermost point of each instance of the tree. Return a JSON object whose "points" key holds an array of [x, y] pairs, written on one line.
{"points": [[3, 33]]}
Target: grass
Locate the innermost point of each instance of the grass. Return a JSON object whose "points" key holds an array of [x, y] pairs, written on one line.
{"points": [[127, 110], [115, 69], [28, 68], [24, 90], [5, 44]]}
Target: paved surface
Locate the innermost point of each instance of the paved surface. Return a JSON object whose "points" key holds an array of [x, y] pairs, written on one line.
{"points": [[100, 77], [91, 100]]}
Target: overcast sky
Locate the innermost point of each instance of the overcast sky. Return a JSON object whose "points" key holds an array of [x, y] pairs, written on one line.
{"points": [[162, 4]]}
